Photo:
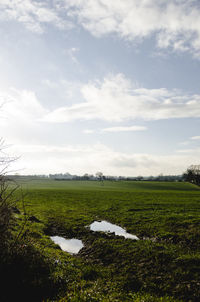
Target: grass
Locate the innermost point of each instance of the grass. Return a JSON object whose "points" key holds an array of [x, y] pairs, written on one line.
{"points": [[163, 265]]}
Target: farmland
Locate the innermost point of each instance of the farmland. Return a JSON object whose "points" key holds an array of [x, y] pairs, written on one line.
{"points": [[163, 265]]}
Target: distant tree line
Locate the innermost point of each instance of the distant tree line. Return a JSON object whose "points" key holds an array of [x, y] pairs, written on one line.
{"points": [[192, 175], [99, 176]]}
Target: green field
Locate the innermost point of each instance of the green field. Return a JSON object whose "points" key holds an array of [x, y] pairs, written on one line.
{"points": [[164, 265]]}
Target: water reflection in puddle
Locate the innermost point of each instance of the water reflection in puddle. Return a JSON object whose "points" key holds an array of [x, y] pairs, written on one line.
{"points": [[105, 226], [72, 246]]}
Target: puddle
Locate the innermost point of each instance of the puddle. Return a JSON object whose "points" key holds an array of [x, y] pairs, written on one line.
{"points": [[108, 227], [72, 246]]}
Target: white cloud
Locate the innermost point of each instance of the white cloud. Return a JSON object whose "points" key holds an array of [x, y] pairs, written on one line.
{"points": [[63, 90], [125, 129], [191, 140], [20, 116], [33, 14], [185, 143], [20, 106], [20, 112], [116, 99], [188, 151], [88, 131], [175, 24], [195, 137]]}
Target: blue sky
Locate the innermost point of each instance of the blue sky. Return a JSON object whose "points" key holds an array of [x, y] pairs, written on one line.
{"points": [[100, 85]]}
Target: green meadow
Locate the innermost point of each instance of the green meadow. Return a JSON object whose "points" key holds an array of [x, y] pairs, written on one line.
{"points": [[164, 265]]}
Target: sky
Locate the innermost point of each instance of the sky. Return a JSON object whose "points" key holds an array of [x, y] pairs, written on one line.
{"points": [[100, 85]]}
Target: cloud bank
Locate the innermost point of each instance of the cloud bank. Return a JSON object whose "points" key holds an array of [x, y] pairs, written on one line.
{"points": [[124, 129], [22, 113], [98, 157], [195, 137], [20, 106], [115, 99], [174, 24], [34, 15]]}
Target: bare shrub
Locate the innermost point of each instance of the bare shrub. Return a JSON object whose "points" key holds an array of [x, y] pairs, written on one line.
{"points": [[7, 199]]}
